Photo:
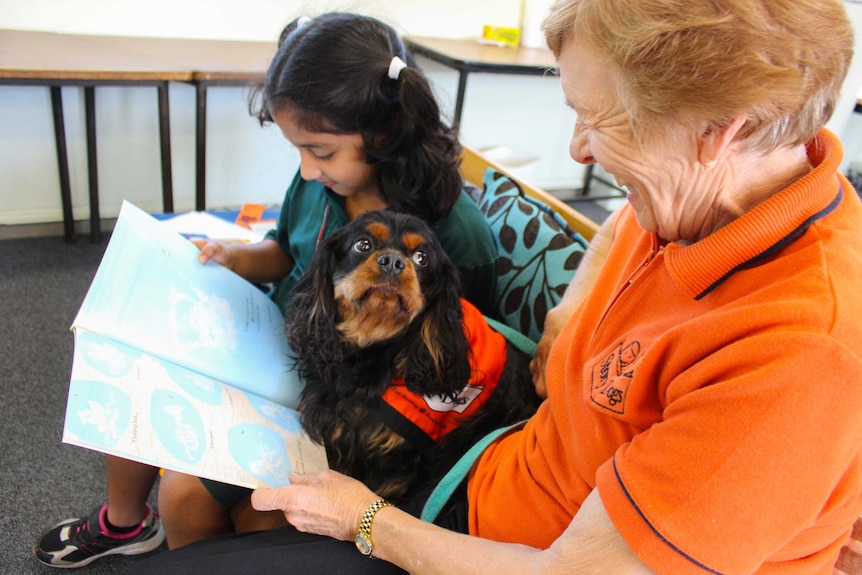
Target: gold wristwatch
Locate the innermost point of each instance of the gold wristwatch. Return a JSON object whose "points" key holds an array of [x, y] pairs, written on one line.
{"points": [[363, 536]]}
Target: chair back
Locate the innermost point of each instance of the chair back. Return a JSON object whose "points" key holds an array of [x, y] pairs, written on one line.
{"points": [[540, 243], [474, 165]]}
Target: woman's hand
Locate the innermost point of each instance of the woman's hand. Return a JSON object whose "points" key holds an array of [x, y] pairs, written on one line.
{"points": [[326, 503], [554, 323], [577, 290]]}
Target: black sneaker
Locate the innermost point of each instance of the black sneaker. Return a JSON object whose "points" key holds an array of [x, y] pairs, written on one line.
{"points": [[79, 542]]}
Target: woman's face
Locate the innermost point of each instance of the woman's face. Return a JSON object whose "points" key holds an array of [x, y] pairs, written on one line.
{"points": [[335, 160], [656, 173]]}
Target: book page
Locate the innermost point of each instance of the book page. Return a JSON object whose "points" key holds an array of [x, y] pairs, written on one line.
{"points": [[128, 403], [151, 294], [203, 225]]}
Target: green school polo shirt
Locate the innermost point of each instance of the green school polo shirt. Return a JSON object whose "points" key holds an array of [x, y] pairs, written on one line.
{"points": [[464, 235]]}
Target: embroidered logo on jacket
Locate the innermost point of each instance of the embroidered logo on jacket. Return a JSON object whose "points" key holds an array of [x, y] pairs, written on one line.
{"points": [[612, 377]]}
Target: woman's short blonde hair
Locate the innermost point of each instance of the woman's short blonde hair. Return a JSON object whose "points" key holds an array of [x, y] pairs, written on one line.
{"points": [[778, 63]]}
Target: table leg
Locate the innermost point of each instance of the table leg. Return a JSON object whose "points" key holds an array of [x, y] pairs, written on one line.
{"points": [[201, 148], [63, 164], [459, 99], [92, 172], [588, 178], [165, 146]]}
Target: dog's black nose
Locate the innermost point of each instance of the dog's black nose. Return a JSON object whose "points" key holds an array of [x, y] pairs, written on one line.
{"points": [[390, 264]]}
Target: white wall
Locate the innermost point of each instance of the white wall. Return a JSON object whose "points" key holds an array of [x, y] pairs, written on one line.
{"points": [[844, 122], [244, 162]]}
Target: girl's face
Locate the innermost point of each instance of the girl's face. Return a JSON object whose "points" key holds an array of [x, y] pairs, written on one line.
{"points": [[657, 175], [335, 160]]}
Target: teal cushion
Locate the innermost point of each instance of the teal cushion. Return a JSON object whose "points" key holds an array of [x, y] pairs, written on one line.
{"points": [[538, 254]]}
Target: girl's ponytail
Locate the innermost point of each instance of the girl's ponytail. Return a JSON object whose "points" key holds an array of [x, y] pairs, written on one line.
{"points": [[423, 153]]}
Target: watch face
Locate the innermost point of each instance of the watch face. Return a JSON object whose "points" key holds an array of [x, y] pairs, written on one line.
{"points": [[363, 543]]}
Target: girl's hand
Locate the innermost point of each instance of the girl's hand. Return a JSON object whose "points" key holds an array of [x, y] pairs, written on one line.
{"points": [[326, 503], [214, 250]]}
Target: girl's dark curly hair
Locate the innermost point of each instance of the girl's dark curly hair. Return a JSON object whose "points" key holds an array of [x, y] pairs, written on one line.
{"points": [[332, 73]]}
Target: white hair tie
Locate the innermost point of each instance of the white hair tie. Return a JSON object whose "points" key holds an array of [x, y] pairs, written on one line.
{"points": [[302, 21], [395, 67]]}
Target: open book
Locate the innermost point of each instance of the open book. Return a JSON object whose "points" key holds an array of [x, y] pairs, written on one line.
{"points": [[184, 366]]}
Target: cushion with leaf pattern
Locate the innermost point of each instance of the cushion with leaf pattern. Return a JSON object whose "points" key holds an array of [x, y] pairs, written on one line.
{"points": [[538, 253]]}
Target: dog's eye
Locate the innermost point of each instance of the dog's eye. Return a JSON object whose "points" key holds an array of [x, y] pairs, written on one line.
{"points": [[362, 245], [420, 258]]}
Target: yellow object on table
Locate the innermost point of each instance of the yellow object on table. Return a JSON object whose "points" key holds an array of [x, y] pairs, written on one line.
{"points": [[500, 36]]}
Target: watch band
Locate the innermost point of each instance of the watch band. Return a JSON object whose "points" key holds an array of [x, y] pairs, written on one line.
{"points": [[363, 536]]}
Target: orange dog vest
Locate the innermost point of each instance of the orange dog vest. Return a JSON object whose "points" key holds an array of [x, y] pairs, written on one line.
{"points": [[433, 416]]}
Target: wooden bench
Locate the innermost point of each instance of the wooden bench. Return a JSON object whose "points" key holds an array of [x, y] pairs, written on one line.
{"points": [[474, 164]]}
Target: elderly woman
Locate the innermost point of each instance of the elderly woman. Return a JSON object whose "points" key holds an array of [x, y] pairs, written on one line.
{"points": [[704, 397]]}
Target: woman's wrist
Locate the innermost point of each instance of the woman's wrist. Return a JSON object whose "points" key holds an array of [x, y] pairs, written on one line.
{"points": [[364, 539]]}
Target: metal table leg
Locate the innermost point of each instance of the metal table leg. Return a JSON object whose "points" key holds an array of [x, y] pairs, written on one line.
{"points": [[201, 147], [165, 147], [459, 99], [63, 164], [92, 171]]}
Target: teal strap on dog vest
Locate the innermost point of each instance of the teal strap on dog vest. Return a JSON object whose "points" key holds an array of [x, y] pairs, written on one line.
{"points": [[514, 336], [456, 475]]}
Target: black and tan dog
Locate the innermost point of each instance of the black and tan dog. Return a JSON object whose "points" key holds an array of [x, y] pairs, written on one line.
{"points": [[400, 372]]}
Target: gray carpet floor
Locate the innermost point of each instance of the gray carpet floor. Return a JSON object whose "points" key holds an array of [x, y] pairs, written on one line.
{"points": [[42, 481]]}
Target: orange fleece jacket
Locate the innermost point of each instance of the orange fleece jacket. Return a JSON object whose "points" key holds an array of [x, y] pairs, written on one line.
{"points": [[712, 393]]}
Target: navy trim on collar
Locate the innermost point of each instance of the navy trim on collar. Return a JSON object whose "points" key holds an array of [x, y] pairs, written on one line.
{"points": [[781, 244]]}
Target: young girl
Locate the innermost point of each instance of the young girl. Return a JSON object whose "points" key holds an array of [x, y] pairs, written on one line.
{"points": [[343, 89]]}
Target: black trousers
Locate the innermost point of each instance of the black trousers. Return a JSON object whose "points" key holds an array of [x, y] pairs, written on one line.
{"points": [[287, 551], [280, 551]]}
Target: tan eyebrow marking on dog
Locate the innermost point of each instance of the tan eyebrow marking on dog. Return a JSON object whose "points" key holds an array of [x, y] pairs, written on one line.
{"points": [[378, 230], [412, 241]]}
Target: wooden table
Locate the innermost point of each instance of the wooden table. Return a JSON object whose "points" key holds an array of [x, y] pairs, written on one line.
{"points": [[212, 63], [468, 56], [56, 60]]}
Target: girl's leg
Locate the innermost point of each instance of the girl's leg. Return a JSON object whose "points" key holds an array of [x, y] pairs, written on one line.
{"points": [[129, 485], [188, 511], [246, 518]]}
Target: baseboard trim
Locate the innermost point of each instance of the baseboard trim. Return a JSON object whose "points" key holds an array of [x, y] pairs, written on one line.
{"points": [[50, 229]]}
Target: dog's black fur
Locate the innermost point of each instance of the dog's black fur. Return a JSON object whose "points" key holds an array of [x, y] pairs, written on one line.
{"points": [[380, 299]]}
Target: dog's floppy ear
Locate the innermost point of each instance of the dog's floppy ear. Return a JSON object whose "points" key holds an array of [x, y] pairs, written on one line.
{"points": [[310, 320], [437, 359]]}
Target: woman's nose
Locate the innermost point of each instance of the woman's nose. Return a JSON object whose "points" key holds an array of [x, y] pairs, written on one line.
{"points": [[579, 148]]}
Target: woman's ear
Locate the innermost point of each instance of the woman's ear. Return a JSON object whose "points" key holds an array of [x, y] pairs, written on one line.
{"points": [[715, 140]]}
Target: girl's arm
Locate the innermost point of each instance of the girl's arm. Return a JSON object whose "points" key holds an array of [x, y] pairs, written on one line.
{"points": [[260, 262], [331, 504]]}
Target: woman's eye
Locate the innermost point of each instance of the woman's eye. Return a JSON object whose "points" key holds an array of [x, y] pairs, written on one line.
{"points": [[420, 258], [362, 245]]}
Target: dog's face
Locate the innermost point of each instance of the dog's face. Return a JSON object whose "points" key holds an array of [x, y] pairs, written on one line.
{"points": [[378, 274], [382, 263]]}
